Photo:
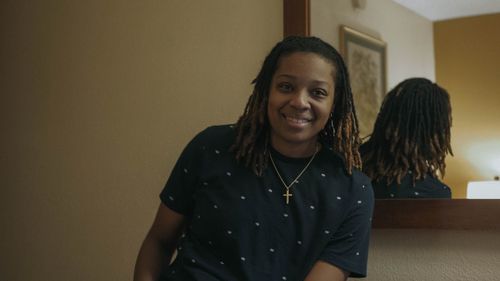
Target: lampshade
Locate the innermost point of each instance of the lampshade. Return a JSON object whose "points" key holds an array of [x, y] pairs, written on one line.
{"points": [[483, 190]]}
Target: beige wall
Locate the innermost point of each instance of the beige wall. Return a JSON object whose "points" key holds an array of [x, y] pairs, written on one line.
{"points": [[97, 100], [467, 65], [408, 35]]}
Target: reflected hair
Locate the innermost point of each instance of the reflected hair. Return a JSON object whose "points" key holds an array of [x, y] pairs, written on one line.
{"points": [[411, 133], [341, 130]]}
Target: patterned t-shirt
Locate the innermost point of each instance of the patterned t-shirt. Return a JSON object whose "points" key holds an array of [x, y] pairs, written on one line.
{"points": [[428, 187], [239, 226]]}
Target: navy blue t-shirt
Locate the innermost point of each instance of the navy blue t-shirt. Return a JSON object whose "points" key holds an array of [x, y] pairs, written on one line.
{"points": [[239, 226], [428, 187]]}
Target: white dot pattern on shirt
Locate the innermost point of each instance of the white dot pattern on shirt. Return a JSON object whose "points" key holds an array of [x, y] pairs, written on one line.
{"points": [[257, 224], [416, 193], [171, 198]]}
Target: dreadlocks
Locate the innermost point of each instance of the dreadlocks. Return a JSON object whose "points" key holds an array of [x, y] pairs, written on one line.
{"points": [[411, 134], [341, 130]]}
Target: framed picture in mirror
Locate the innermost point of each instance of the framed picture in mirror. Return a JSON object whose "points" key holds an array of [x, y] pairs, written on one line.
{"points": [[365, 57]]}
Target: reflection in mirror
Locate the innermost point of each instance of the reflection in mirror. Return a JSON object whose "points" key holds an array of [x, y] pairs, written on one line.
{"points": [[460, 54], [405, 154]]}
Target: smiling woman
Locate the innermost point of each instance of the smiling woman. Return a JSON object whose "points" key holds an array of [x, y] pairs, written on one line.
{"points": [[307, 216]]}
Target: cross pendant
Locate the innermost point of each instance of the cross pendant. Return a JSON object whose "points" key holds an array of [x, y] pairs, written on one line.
{"points": [[287, 196]]}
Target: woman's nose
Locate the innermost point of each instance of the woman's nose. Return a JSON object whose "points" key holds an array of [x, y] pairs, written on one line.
{"points": [[300, 99]]}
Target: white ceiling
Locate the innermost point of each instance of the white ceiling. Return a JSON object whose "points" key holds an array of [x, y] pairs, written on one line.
{"points": [[435, 10]]}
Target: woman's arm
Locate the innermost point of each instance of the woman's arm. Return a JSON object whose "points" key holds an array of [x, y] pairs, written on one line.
{"points": [[159, 245], [323, 271]]}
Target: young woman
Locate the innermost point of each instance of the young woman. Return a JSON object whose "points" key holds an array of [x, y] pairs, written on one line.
{"points": [[406, 152], [278, 195]]}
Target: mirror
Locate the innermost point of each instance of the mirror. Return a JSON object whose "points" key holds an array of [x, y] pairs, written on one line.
{"points": [[460, 54]]}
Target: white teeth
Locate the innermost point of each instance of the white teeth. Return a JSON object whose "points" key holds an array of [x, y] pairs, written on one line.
{"points": [[297, 120]]}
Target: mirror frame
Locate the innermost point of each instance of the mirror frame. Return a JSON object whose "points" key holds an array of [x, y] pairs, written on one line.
{"points": [[296, 17], [452, 214]]}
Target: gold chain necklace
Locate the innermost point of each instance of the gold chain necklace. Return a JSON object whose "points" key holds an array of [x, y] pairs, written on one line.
{"points": [[288, 194]]}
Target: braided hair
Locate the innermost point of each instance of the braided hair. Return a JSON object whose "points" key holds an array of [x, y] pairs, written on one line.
{"points": [[411, 133], [341, 130]]}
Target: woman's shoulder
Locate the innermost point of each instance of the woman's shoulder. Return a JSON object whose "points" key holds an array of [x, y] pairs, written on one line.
{"points": [[434, 187], [359, 176], [338, 161], [217, 133]]}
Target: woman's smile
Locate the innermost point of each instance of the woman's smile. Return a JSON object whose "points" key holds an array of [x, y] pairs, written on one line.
{"points": [[297, 121]]}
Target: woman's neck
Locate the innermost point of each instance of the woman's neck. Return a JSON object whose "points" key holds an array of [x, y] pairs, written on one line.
{"points": [[294, 150]]}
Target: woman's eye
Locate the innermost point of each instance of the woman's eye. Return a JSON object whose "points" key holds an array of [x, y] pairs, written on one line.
{"points": [[319, 93], [285, 87]]}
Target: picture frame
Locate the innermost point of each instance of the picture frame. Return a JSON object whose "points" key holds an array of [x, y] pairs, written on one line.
{"points": [[365, 58]]}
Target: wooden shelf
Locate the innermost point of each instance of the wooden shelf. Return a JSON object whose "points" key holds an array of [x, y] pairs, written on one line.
{"points": [[457, 214]]}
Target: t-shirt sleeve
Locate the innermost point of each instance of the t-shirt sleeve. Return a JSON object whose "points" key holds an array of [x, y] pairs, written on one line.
{"points": [[184, 178], [348, 248]]}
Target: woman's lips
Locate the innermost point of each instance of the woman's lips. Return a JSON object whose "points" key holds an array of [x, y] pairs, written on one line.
{"points": [[297, 121]]}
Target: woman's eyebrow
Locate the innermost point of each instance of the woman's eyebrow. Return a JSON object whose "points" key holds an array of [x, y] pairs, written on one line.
{"points": [[289, 76]]}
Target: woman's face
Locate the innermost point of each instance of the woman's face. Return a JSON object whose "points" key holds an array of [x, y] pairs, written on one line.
{"points": [[300, 100]]}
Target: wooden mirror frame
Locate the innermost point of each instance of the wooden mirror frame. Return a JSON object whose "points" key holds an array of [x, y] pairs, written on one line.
{"points": [[296, 17], [453, 214]]}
